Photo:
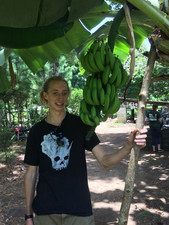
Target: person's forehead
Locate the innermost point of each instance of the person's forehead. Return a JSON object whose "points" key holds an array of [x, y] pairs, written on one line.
{"points": [[58, 85]]}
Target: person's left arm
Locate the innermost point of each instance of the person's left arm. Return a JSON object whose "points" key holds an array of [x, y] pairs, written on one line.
{"points": [[159, 117], [107, 160]]}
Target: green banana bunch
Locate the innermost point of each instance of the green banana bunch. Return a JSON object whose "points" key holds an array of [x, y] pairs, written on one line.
{"points": [[107, 74]]}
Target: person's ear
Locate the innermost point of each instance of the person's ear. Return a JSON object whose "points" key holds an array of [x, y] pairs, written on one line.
{"points": [[45, 95]]}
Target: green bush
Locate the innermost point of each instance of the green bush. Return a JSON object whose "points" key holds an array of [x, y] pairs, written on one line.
{"points": [[6, 139], [74, 101]]}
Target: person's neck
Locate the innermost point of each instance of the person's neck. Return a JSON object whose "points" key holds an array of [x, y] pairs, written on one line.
{"points": [[55, 118]]}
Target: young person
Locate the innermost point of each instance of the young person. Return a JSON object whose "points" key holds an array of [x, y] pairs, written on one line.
{"points": [[55, 152], [155, 120]]}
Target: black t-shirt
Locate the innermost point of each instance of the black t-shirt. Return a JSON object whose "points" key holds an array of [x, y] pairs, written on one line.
{"points": [[60, 154], [154, 119]]}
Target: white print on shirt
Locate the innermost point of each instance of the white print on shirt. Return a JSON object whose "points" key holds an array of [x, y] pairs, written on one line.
{"points": [[59, 155], [152, 118]]}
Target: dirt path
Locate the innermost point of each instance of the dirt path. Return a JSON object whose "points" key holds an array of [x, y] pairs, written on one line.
{"points": [[150, 204]]}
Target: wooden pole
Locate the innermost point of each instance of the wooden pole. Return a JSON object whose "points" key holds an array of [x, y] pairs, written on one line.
{"points": [[134, 157]]}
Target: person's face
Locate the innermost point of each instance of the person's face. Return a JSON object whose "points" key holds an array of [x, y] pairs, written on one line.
{"points": [[57, 95]]}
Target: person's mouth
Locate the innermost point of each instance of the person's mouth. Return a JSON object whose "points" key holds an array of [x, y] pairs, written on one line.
{"points": [[59, 104]]}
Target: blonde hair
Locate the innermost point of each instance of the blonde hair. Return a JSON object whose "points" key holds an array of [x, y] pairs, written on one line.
{"points": [[47, 85]]}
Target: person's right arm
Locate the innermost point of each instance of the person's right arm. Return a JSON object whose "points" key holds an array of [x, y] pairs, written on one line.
{"points": [[29, 187]]}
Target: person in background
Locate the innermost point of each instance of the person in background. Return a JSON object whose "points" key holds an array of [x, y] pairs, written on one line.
{"points": [[155, 120], [55, 153]]}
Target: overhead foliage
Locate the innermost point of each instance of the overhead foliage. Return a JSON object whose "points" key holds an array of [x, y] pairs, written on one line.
{"points": [[43, 35], [60, 34]]}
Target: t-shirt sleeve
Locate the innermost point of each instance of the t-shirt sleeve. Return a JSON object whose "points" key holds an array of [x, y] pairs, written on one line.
{"points": [[32, 152], [93, 141]]}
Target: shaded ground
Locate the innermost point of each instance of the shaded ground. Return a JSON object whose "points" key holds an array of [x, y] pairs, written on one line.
{"points": [[150, 204]]}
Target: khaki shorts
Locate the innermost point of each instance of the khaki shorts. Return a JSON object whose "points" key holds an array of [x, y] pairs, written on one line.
{"points": [[63, 219]]}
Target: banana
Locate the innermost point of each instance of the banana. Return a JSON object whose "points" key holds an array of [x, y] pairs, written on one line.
{"points": [[112, 59], [118, 80], [97, 120], [82, 117], [92, 62], [108, 89], [113, 92], [90, 85], [105, 74], [102, 96], [124, 78], [94, 84], [98, 60], [82, 60], [93, 112], [88, 96], [88, 80], [114, 105], [88, 121], [117, 106], [99, 84], [94, 47], [88, 67], [102, 52], [95, 96], [106, 103], [83, 106], [114, 72]]}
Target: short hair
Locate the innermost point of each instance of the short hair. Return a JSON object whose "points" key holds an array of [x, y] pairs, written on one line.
{"points": [[47, 84], [155, 106]]}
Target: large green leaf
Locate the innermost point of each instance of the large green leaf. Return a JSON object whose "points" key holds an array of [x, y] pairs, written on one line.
{"points": [[26, 24], [36, 57], [79, 8], [92, 18], [32, 13], [77, 36], [28, 37]]}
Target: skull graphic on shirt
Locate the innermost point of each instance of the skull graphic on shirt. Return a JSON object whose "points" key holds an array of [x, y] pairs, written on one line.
{"points": [[58, 154]]}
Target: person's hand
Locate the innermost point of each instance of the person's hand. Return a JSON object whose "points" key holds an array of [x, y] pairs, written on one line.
{"points": [[29, 222], [139, 137]]}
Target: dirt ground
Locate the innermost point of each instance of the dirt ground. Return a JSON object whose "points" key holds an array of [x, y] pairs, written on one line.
{"points": [[150, 205]]}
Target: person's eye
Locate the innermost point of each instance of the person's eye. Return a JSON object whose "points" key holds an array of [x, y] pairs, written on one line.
{"points": [[65, 93], [55, 93]]}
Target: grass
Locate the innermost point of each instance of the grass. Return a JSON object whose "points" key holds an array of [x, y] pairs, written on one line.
{"points": [[114, 124]]}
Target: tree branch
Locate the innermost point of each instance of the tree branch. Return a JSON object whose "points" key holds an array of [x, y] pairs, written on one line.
{"points": [[130, 178], [160, 78]]}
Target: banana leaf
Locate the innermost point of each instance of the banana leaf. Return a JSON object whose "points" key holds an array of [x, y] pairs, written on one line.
{"points": [[78, 35]]}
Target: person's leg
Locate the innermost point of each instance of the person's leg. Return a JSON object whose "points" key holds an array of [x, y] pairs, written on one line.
{"points": [[158, 131], [77, 220], [153, 136]]}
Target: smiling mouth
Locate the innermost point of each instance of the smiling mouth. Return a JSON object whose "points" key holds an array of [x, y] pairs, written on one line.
{"points": [[59, 104]]}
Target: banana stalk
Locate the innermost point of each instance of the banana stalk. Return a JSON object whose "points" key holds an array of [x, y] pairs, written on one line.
{"points": [[114, 28]]}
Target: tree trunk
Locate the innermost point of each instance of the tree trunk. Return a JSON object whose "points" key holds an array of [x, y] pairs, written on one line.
{"points": [[130, 177]]}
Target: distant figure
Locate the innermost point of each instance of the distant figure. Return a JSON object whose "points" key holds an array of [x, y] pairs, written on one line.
{"points": [[155, 120]]}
